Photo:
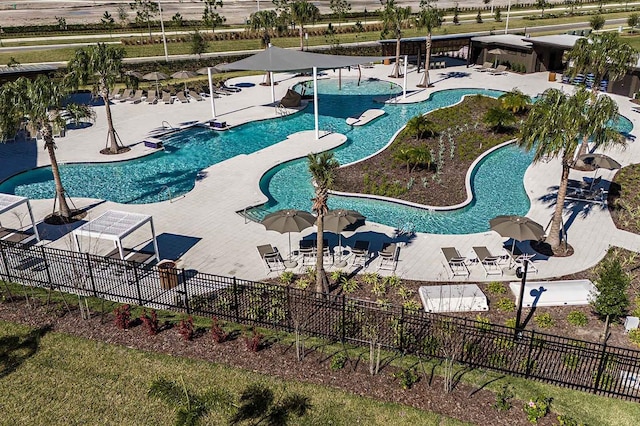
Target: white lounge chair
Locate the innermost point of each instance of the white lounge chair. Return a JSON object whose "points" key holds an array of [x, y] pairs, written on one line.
{"points": [[456, 263], [487, 66], [500, 70]]}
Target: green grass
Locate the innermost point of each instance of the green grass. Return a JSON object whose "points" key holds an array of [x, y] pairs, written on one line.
{"points": [[70, 380]]}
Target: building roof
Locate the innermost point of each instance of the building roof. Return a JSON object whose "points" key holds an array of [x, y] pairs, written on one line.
{"points": [[8, 202], [113, 225], [24, 69], [507, 40], [433, 38], [564, 41]]}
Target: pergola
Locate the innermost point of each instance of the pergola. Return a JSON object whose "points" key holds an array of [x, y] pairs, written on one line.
{"points": [[114, 226], [276, 59], [10, 202]]}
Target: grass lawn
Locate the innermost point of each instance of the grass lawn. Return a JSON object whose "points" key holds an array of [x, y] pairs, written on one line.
{"points": [[69, 380]]}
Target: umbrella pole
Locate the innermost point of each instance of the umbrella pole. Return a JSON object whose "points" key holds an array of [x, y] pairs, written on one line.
{"points": [[213, 105], [315, 101]]}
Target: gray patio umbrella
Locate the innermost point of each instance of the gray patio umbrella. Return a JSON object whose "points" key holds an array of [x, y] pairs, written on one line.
{"points": [[289, 220], [183, 75], [496, 52], [337, 220], [599, 161], [155, 75], [135, 74], [519, 228]]}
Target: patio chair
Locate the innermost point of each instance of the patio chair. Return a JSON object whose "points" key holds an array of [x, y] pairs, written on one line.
{"points": [[137, 97], [181, 97], [195, 96], [167, 98], [488, 261], [389, 256], [115, 93], [487, 66], [271, 258], [152, 99], [360, 252], [456, 263], [500, 70], [125, 95]]}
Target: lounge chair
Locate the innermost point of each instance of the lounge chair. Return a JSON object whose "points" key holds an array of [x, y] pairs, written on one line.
{"points": [[487, 66], [137, 97], [152, 99], [125, 95], [115, 93], [167, 98], [500, 70], [181, 97], [270, 258], [389, 256], [226, 88], [456, 263], [194, 95], [16, 235], [360, 252], [308, 250], [488, 261]]}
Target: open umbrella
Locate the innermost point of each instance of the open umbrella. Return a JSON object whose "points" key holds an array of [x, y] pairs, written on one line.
{"points": [[496, 52], [155, 75], [519, 228], [183, 75], [599, 161], [205, 71], [289, 220], [337, 220], [135, 74]]}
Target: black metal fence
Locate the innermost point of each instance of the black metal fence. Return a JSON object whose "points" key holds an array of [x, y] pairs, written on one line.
{"points": [[587, 366]]}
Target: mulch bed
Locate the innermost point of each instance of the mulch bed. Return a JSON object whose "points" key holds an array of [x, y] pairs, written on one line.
{"points": [[465, 402]]}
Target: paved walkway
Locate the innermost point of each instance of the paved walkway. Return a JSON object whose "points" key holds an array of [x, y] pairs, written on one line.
{"points": [[204, 230]]}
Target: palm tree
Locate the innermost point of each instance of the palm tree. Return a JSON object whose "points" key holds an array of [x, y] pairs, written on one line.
{"points": [[515, 101], [303, 13], [419, 127], [394, 18], [265, 21], [499, 118], [429, 17], [322, 168], [38, 100], [102, 64], [552, 129]]}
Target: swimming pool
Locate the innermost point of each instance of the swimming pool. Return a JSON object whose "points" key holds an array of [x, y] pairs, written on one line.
{"points": [[146, 180]]}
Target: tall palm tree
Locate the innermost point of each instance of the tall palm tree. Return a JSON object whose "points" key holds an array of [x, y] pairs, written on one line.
{"points": [[303, 13], [37, 101], [101, 64], [265, 21], [394, 19], [322, 167], [429, 17], [515, 101], [553, 128]]}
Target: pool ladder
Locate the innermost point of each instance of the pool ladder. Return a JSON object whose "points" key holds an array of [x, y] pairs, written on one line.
{"points": [[168, 126], [168, 190]]}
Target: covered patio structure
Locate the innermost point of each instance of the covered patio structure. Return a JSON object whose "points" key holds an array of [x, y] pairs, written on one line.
{"points": [[276, 59], [114, 226], [9, 202]]}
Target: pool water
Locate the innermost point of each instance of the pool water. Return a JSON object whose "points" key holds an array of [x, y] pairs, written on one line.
{"points": [[175, 170]]}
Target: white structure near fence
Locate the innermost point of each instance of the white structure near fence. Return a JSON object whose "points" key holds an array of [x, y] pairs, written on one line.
{"points": [[10, 202]]}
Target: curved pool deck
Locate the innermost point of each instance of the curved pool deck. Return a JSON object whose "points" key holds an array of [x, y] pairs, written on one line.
{"points": [[204, 230]]}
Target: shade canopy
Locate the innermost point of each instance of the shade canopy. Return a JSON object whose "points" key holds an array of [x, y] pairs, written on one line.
{"points": [[520, 228], [277, 59], [337, 220], [10, 202], [600, 161]]}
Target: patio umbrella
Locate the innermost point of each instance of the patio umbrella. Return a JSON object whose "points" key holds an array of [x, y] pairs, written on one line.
{"points": [[496, 52], [289, 220], [519, 228], [337, 220], [204, 71], [599, 161], [135, 74], [155, 75], [183, 75]]}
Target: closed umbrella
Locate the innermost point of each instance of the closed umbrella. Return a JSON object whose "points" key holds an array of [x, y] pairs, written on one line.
{"points": [[337, 220], [519, 228], [155, 75], [289, 220]]}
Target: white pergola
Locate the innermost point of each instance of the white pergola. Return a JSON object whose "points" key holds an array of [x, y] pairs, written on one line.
{"points": [[114, 226], [10, 202]]}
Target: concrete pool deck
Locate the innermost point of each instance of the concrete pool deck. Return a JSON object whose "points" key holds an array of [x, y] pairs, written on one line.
{"points": [[204, 230]]}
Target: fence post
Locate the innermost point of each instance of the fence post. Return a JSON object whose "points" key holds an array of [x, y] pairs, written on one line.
{"points": [[186, 294], [6, 263], [532, 339], [91, 279], [401, 330], [46, 266], [235, 300], [135, 277], [344, 320], [601, 366], [463, 356]]}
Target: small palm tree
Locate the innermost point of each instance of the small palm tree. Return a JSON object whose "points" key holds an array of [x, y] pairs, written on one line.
{"points": [[420, 127], [421, 156], [100, 64], [430, 18], [265, 21], [394, 19], [403, 155], [499, 118], [515, 101], [38, 102], [322, 168], [552, 129], [303, 13]]}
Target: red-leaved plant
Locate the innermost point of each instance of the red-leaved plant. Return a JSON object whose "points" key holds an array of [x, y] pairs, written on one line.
{"points": [[185, 328], [217, 333], [123, 317], [252, 340], [150, 322]]}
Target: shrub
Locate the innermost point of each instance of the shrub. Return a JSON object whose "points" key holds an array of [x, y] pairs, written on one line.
{"points": [[217, 332], [496, 287], [411, 306], [544, 320], [185, 328], [336, 276], [537, 409], [482, 323], [123, 317], [577, 318], [564, 420], [150, 322], [349, 285], [407, 378], [505, 305], [405, 293], [510, 322], [571, 361], [634, 336], [253, 340], [612, 283], [287, 277], [303, 283], [392, 281], [503, 398], [338, 361]]}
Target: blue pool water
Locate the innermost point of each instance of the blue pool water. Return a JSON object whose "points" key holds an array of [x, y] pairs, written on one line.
{"points": [[288, 186]]}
